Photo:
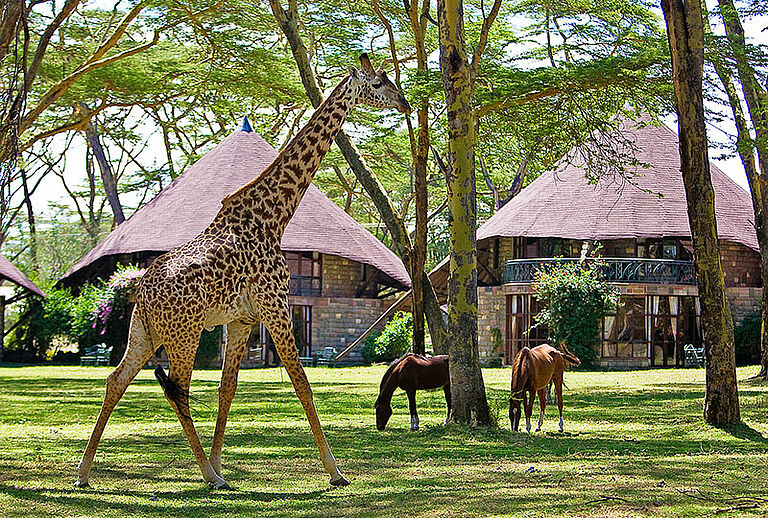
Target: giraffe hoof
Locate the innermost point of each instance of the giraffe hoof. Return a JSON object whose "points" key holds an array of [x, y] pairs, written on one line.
{"points": [[340, 482], [219, 484], [81, 484]]}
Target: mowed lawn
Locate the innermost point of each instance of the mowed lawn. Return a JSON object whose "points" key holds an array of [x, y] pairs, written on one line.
{"points": [[635, 445]]}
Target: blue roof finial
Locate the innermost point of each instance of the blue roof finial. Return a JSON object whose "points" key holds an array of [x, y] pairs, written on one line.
{"points": [[246, 126]]}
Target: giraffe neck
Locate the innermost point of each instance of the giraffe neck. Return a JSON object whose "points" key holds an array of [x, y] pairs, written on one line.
{"points": [[281, 186]]}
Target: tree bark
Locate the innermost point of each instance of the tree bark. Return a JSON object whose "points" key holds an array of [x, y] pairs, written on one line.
{"points": [[468, 400], [31, 221], [420, 155], [107, 176], [686, 41], [289, 24], [757, 175]]}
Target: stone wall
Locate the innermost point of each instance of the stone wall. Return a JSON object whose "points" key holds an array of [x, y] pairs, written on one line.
{"points": [[337, 322], [741, 265], [342, 277], [491, 315], [742, 301]]}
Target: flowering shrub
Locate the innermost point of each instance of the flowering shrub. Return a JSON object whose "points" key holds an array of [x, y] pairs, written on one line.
{"points": [[113, 299], [576, 299]]}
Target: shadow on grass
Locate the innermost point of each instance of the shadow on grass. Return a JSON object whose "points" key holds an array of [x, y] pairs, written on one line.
{"points": [[746, 432], [195, 502]]}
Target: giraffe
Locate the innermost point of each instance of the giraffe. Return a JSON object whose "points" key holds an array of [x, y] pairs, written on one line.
{"points": [[234, 274]]}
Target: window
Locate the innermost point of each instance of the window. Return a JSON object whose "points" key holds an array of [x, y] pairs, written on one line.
{"points": [[521, 328], [306, 276], [624, 331], [261, 346]]}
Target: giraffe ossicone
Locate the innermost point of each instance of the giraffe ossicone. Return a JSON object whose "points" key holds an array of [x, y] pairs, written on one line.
{"points": [[234, 274]]}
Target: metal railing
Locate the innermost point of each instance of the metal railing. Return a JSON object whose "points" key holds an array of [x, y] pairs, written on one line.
{"points": [[305, 285], [615, 269]]}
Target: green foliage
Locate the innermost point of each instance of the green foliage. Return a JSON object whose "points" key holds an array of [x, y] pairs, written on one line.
{"points": [[747, 337], [395, 340], [111, 312], [51, 324], [576, 298], [368, 350], [209, 347]]}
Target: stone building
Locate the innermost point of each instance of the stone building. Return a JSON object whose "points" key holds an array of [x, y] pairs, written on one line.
{"points": [[644, 232], [342, 277]]}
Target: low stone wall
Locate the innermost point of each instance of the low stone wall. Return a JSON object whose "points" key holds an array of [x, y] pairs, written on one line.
{"points": [[337, 322], [491, 319], [743, 300]]}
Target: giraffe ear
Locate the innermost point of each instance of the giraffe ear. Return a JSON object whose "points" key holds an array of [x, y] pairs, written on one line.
{"points": [[365, 64], [353, 73]]}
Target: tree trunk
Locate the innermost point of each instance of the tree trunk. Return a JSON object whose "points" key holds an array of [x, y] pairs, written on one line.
{"points": [[420, 157], [107, 176], [289, 24], [2, 326], [468, 401], [757, 103], [31, 221], [686, 41]]}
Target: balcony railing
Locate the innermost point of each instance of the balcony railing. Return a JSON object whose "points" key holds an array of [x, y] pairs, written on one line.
{"points": [[652, 271], [305, 285]]}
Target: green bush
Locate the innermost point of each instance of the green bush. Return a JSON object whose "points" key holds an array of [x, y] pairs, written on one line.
{"points": [[209, 347], [368, 350], [576, 299], [747, 338], [391, 343]]}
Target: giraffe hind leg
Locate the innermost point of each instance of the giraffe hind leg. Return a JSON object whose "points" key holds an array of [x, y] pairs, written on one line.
{"points": [[176, 388], [139, 350], [237, 338]]}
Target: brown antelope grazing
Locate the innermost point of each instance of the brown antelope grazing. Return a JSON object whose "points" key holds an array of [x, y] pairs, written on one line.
{"points": [[411, 373], [532, 370]]}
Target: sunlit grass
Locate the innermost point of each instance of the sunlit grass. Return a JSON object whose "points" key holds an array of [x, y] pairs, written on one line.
{"points": [[635, 445]]}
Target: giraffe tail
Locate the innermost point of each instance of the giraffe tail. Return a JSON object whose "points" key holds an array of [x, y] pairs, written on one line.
{"points": [[173, 390]]}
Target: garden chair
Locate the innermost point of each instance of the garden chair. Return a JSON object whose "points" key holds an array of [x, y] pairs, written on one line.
{"points": [[97, 355], [694, 356], [327, 357]]}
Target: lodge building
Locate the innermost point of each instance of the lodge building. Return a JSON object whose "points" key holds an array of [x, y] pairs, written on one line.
{"points": [[645, 237]]}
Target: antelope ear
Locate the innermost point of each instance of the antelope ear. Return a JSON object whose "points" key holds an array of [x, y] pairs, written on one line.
{"points": [[365, 64], [353, 72]]}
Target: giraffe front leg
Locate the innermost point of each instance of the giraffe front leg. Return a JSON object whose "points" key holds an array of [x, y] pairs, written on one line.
{"points": [[275, 318], [237, 336]]}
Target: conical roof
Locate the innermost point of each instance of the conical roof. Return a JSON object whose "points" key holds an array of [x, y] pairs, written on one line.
{"points": [[9, 271], [186, 206], [561, 203]]}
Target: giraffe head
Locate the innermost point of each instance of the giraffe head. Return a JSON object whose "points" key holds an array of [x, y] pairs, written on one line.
{"points": [[375, 89]]}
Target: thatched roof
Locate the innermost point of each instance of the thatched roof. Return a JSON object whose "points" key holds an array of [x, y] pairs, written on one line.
{"points": [[184, 208], [9, 271], [562, 204]]}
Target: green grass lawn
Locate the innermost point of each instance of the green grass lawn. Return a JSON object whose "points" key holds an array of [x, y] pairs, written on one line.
{"points": [[635, 445]]}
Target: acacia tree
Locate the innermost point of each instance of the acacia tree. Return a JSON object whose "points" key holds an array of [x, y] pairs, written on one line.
{"points": [[468, 400], [685, 30], [734, 53], [425, 301]]}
